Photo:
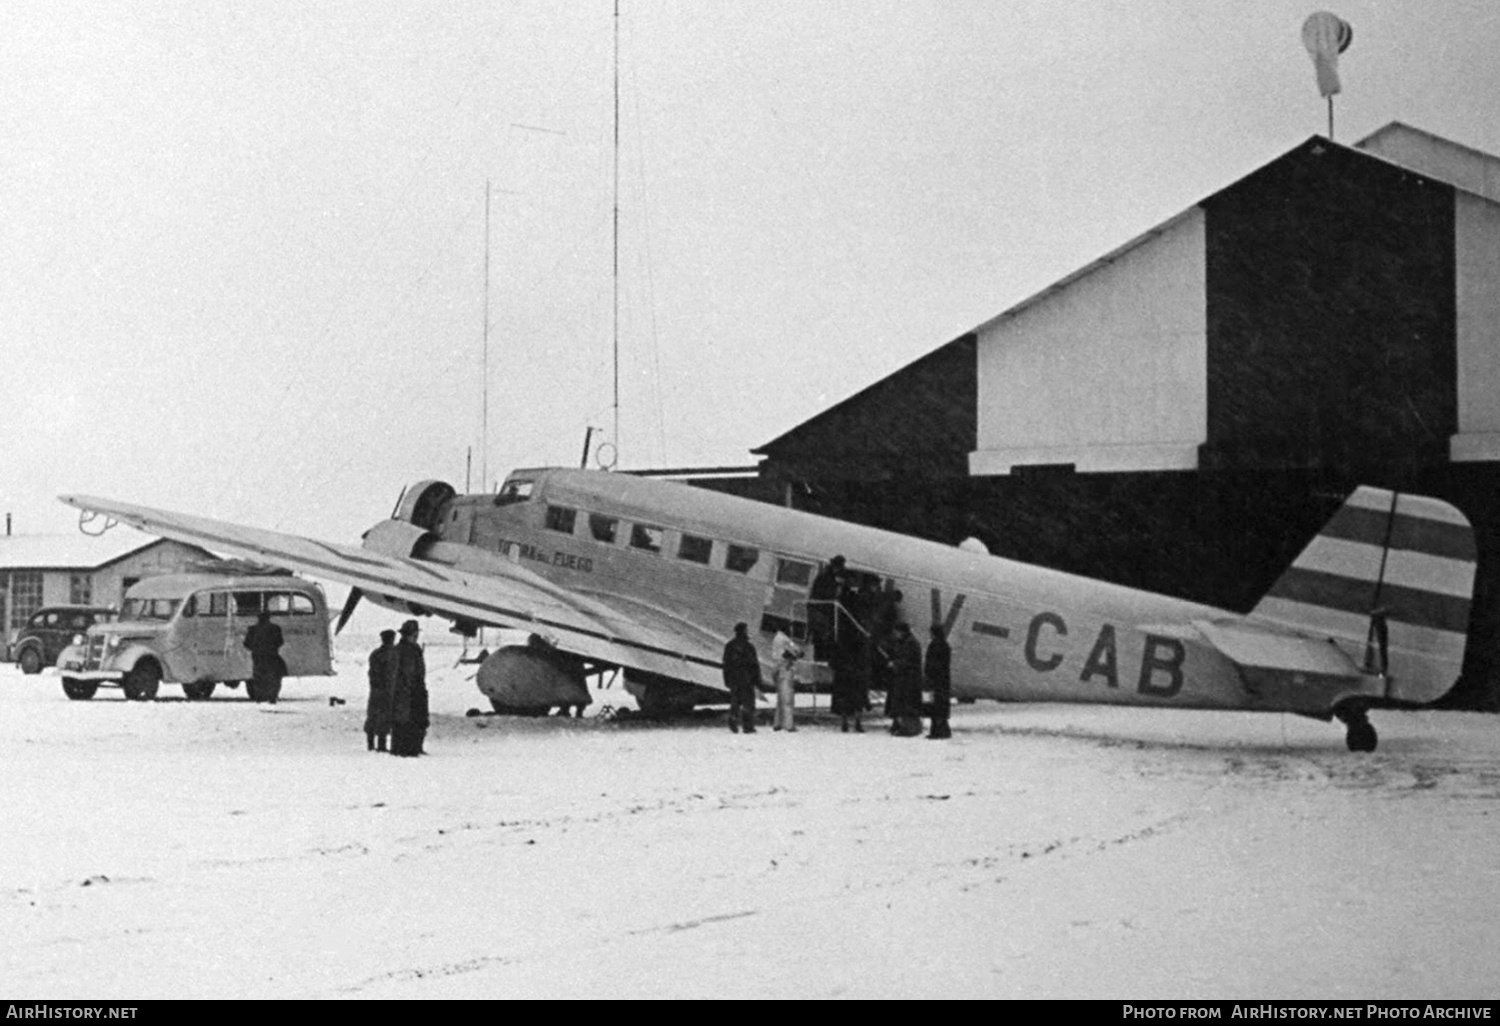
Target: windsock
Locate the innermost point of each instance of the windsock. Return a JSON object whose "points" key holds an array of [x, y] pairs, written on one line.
{"points": [[1326, 35]]}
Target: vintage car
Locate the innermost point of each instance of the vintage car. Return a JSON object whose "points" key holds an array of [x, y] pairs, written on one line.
{"points": [[50, 630], [189, 629]]}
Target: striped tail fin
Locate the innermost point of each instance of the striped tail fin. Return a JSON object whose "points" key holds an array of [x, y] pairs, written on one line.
{"points": [[1390, 579]]}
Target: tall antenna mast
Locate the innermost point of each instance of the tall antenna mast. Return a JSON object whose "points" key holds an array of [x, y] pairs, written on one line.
{"points": [[616, 276], [484, 419]]}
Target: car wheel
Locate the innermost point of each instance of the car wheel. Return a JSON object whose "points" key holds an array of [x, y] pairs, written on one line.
{"points": [[31, 660], [198, 692], [79, 690], [141, 683]]}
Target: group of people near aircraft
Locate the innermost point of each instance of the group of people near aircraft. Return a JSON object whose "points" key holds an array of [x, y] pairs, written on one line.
{"points": [[397, 709], [858, 631]]}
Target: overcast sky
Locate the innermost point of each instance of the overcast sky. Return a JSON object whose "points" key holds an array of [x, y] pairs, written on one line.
{"points": [[243, 243]]}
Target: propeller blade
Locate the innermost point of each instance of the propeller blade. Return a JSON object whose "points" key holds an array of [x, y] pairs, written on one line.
{"points": [[349, 604]]}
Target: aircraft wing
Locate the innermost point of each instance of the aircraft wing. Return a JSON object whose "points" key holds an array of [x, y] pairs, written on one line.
{"points": [[503, 595]]}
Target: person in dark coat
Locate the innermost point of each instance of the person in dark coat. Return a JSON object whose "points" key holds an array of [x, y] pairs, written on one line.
{"points": [[742, 678], [409, 695], [906, 683], [851, 681], [937, 670], [383, 668], [822, 609], [264, 641]]}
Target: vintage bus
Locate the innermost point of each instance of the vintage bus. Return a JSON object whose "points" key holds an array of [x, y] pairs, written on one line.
{"points": [[189, 629]]}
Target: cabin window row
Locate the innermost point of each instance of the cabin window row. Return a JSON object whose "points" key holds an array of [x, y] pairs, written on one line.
{"points": [[691, 548]]}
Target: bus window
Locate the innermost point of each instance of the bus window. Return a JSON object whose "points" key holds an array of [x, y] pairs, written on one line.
{"points": [[741, 558], [278, 603], [604, 529], [302, 605], [647, 539], [218, 604], [561, 518], [793, 572], [150, 609], [695, 549], [247, 603]]}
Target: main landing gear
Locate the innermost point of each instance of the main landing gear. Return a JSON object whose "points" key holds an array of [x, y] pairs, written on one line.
{"points": [[1360, 736]]}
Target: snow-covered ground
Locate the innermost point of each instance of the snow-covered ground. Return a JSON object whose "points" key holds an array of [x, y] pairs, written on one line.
{"points": [[223, 849]]}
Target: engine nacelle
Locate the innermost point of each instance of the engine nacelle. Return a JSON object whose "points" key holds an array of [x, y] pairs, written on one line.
{"points": [[403, 540], [422, 503]]}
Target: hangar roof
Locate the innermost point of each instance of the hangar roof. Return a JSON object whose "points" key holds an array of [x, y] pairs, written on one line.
{"points": [[1418, 152]]}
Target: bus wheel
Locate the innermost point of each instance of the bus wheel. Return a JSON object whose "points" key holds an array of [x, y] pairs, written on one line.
{"points": [[78, 690], [141, 683], [198, 692], [31, 660]]}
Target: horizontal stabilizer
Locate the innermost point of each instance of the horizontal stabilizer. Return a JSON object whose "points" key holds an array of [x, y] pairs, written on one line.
{"points": [[1249, 646]]}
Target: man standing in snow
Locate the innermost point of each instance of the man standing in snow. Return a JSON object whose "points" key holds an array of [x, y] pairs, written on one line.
{"points": [[785, 652], [741, 677], [409, 695], [264, 641], [906, 684], [383, 669], [937, 671]]}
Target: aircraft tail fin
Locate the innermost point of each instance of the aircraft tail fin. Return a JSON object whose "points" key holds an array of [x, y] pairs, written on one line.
{"points": [[1390, 578]]}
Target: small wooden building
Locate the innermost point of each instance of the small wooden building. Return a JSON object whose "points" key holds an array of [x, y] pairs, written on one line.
{"points": [[39, 570]]}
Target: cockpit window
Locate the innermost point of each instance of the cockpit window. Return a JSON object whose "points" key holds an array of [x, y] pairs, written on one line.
{"points": [[514, 491], [561, 518]]}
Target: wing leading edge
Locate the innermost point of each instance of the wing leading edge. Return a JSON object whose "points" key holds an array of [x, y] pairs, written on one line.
{"points": [[504, 595]]}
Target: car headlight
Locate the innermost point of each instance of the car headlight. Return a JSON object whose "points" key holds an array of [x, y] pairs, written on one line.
{"points": [[77, 639]]}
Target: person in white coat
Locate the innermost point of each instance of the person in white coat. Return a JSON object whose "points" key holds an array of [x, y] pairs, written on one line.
{"points": [[785, 652]]}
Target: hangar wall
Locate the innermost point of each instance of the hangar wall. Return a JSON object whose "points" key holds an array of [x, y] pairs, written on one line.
{"points": [[1183, 415], [1120, 348], [1477, 246]]}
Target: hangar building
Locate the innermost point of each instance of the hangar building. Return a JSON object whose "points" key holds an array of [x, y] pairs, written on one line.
{"points": [[1184, 413]]}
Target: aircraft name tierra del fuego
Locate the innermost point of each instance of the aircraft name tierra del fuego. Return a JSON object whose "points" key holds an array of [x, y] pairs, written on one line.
{"points": [[612, 571]]}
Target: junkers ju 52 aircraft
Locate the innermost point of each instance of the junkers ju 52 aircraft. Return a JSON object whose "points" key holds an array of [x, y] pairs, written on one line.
{"points": [[614, 571]]}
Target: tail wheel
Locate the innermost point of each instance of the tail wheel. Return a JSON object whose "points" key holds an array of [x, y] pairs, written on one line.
{"points": [[141, 683], [31, 660], [79, 690]]}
